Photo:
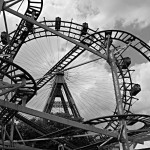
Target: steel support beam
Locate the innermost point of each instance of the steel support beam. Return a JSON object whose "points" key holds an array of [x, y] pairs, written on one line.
{"points": [[17, 146], [6, 87], [56, 119], [1, 5], [6, 6], [123, 138], [55, 32]]}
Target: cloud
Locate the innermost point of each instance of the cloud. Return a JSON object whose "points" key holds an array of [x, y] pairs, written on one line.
{"points": [[57, 8], [142, 77], [92, 88], [11, 19], [90, 85], [102, 14], [105, 13]]}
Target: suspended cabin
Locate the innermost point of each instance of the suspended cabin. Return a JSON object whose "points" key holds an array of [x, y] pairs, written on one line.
{"points": [[29, 26], [84, 28], [130, 39], [135, 90], [24, 35], [4, 38], [57, 23], [125, 62]]}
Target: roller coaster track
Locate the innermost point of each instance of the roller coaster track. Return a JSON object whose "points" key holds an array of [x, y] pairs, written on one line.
{"points": [[131, 119], [15, 44], [13, 47], [94, 40], [24, 93], [42, 131], [18, 37], [123, 74]]}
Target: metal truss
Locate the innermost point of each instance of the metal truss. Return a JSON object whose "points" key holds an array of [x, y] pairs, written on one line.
{"points": [[56, 91], [21, 84], [23, 87]]}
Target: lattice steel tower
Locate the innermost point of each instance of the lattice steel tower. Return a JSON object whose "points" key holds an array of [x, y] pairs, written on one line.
{"points": [[61, 97]]}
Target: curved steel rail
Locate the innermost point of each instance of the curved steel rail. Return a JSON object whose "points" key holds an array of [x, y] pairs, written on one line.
{"points": [[19, 35], [70, 29], [16, 42], [95, 40], [137, 45], [131, 119], [26, 92]]}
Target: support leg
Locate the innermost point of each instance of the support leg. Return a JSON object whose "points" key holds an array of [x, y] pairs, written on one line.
{"points": [[123, 138], [1, 5], [2, 136]]}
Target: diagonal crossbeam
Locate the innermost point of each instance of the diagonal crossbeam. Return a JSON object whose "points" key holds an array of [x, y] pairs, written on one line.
{"points": [[57, 119], [6, 87], [55, 32], [11, 3]]}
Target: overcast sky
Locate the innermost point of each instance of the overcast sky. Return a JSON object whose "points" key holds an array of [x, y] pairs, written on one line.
{"points": [[130, 15]]}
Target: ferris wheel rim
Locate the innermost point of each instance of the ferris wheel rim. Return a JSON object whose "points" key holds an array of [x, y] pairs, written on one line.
{"points": [[84, 38], [87, 37], [140, 42]]}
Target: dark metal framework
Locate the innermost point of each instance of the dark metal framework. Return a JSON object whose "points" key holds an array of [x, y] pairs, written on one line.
{"points": [[24, 86], [67, 104], [11, 49], [17, 76]]}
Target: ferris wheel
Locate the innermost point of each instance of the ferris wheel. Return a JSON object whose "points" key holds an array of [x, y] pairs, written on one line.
{"points": [[62, 67]]}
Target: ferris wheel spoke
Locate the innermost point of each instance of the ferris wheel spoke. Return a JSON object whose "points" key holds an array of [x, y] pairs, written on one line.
{"points": [[84, 63], [98, 42], [130, 41], [66, 60], [11, 3], [23, 29], [56, 33]]}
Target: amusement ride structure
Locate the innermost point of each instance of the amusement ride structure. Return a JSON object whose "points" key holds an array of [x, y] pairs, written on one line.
{"points": [[18, 87]]}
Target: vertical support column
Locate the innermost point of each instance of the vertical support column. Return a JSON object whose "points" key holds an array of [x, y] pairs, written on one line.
{"points": [[123, 138], [19, 134], [24, 100], [1, 5], [12, 130], [2, 135], [5, 21]]}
